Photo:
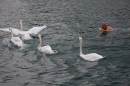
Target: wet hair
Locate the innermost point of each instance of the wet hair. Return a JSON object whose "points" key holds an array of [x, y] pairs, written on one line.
{"points": [[104, 26]]}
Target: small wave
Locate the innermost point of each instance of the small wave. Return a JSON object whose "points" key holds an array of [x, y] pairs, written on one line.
{"points": [[6, 41]]}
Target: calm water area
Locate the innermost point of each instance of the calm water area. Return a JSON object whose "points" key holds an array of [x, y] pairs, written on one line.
{"points": [[66, 20]]}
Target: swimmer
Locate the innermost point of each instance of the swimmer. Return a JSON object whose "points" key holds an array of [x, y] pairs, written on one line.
{"points": [[105, 28]]}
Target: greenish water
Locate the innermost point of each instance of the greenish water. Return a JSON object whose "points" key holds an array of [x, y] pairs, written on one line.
{"points": [[66, 20]]}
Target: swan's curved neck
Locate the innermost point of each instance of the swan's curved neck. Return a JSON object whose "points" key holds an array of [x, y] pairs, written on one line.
{"points": [[21, 26], [80, 47], [11, 33], [40, 41]]}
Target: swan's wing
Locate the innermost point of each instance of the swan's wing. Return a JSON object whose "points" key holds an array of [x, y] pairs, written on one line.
{"points": [[17, 41], [14, 30], [93, 57], [47, 47], [36, 30]]}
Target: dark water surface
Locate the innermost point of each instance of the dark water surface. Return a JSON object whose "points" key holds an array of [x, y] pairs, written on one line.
{"points": [[66, 20]]}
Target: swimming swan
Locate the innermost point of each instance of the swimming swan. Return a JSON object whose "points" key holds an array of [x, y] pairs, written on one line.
{"points": [[25, 34], [45, 49], [91, 56], [16, 40]]}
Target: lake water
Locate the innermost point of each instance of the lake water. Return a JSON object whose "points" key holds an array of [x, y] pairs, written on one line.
{"points": [[66, 20]]}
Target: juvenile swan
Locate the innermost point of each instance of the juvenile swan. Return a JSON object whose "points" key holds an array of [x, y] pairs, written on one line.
{"points": [[45, 49], [91, 56], [16, 40]]}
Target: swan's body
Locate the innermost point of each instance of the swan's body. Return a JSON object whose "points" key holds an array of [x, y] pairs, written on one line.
{"points": [[91, 56], [16, 40], [25, 34], [45, 49]]}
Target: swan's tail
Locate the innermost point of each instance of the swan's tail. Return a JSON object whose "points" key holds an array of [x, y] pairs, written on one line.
{"points": [[55, 51]]}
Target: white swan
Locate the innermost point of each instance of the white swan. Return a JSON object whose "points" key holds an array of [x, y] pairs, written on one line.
{"points": [[45, 49], [25, 34], [91, 56], [16, 40]]}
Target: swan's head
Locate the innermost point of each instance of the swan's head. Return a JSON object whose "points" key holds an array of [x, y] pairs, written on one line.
{"points": [[80, 38], [104, 25]]}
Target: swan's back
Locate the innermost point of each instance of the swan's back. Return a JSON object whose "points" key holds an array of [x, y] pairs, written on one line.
{"points": [[46, 49], [92, 57]]}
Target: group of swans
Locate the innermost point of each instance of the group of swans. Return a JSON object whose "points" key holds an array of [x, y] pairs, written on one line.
{"points": [[45, 49], [26, 35]]}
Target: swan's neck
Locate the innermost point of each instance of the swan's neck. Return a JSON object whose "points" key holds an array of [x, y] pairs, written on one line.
{"points": [[11, 33], [80, 47], [21, 26], [40, 41]]}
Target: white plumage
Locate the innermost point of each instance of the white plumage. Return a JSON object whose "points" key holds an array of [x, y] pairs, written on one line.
{"points": [[25, 34], [91, 56], [45, 49], [16, 40]]}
